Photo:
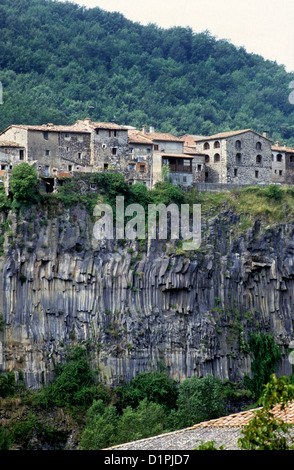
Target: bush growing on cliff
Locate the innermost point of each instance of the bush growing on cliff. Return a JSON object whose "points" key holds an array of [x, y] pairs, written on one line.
{"points": [[265, 354], [74, 384], [24, 185], [157, 387]]}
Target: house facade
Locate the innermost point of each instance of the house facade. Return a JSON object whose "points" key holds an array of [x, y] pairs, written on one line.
{"points": [[242, 157], [282, 164]]}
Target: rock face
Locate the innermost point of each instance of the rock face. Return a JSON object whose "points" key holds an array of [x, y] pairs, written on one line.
{"points": [[138, 305]]}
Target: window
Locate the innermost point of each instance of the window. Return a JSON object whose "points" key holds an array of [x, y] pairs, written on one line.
{"points": [[67, 135], [238, 158], [69, 167], [258, 146], [97, 131], [148, 150], [258, 158], [155, 146], [142, 168], [279, 157], [216, 158], [280, 172], [114, 133], [79, 156], [131, 166], [206, 159], [5, 150], [47, 153], [206, 146], [291, 158], [238, 144], [21, 154], [184, 179], [256, 174], [113, 150], [106, 166], [235, 171], [216, 145], [199, 167], [45, 135]]}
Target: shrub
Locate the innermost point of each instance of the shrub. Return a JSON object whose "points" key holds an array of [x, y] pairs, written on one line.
{"points": [[157, 387], [265, 354], [73, 385], [24, 184]]}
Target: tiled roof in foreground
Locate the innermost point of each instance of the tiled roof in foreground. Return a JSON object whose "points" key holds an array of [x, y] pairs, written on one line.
{"points": [[224, 431], [243, 418]]}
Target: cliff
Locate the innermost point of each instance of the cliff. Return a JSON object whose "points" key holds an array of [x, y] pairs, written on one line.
{"points": [[137, 306]]}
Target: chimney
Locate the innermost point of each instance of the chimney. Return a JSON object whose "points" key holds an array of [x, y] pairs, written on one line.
{"points": [[151, 129], [144, 129], [265, 134]]}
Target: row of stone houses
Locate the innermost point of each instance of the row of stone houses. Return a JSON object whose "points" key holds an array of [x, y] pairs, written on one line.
{"points": [[56, 151]]}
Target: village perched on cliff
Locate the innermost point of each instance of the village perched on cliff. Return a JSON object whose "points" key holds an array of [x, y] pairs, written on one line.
{"points": [[240, 157]]}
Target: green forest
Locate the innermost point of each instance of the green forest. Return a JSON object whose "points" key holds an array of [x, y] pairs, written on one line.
{"points": [[61, 62]]}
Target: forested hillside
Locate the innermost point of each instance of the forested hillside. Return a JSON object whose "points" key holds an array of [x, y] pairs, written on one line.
{"points": [[60, 62]]}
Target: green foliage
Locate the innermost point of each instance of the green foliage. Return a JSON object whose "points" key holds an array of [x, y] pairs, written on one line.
{"points": [[8, 385], [274, 192], [265, 431], [5, 441], [209, 445], [157, 387], [24, 185], [146, 420], [73, 385], [198, 400], [167, 193], [105, 427], [266, 355], [22, 432], [100, 429]]}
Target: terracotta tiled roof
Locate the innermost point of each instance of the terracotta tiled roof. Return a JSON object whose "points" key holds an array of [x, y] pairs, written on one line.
{"points": [[177, 155], [7, 143], [137, 137], [161, 136], [98, 125], [277, 148], [193, 151], [224, 135], [242, 418], [63, 174], [46, 128]]}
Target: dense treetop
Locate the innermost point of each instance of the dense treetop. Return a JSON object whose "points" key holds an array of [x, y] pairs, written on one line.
{"points": [[60, 62]]}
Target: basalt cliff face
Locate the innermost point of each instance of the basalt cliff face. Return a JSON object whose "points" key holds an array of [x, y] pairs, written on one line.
{"points": [[138, 305]]}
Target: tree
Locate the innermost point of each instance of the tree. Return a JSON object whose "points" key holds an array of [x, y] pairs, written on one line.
{"points": [[199, 400], [157, 387], [265, 431], [24, 184], [265, 355]]}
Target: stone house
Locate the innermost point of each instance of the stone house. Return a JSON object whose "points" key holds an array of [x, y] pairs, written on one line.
{"points": [[282, 164], [139, 158], [53, 149], [185, 164], [11, 153], [242, 156], [108, 142]]}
